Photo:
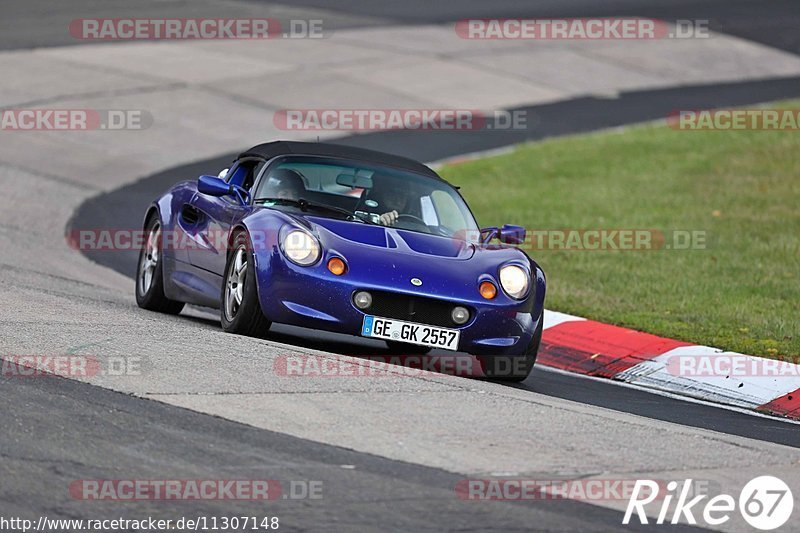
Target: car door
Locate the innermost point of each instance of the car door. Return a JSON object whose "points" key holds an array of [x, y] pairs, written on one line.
{"points": [[214, 216]]}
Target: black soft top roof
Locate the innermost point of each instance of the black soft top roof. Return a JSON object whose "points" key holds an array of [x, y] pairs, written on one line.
{"points": [[276, 148]]}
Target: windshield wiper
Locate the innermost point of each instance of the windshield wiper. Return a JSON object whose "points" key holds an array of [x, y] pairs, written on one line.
{"points": [[305, 205]]}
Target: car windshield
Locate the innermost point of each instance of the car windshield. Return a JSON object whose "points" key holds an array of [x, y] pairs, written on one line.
{"points": [[366, 193]]}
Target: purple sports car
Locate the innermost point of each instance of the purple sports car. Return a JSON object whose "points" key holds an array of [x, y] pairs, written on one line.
{"points": [[346, 240]]}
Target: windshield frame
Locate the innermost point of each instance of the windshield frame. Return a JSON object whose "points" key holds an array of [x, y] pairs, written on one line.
{"points": [[277, 160]]}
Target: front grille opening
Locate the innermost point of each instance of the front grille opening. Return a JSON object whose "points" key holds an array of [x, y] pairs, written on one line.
{"points": [[414, 309]]}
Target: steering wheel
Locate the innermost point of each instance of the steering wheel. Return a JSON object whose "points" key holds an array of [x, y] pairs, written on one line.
{"points": [[412, 217]]}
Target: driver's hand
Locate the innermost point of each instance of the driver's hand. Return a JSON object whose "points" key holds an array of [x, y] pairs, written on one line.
{"points": [[388, 219]]}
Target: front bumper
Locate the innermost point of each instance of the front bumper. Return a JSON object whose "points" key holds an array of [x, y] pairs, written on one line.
{"points": [[313, 297]]}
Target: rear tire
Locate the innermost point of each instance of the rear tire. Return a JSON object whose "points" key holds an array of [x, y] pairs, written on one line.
{"points": [[150, 273], [513, 368], [240, 310]]}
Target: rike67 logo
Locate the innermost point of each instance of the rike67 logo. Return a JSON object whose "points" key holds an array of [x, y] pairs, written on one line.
{"points": [[765, 503]]}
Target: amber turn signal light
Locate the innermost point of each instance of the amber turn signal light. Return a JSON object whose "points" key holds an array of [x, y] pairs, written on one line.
{"points": [[488, 290], [336, 266]]}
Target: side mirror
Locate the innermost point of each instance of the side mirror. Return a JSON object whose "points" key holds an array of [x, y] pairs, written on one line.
{"points": [[511, 234], [213, 186], [508, 234]]}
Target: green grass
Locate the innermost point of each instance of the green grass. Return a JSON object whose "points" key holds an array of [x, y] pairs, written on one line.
{"points": [[742, 293]]}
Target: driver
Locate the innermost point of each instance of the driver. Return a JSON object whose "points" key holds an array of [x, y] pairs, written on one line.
{"points": [[391, 199], [285, 183]]}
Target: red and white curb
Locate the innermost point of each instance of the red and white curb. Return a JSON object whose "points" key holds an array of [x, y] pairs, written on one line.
{"points": [[581, 346]]}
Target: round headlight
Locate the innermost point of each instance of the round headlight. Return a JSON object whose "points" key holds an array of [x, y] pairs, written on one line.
{"points": [[300, 247], [514, 281]]}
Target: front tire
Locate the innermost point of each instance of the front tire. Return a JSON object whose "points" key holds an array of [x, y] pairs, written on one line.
{"points": [[240, 311], [150, 273], [513, 368]]}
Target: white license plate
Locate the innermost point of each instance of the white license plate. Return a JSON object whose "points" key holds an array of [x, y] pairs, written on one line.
{"points": [[422, 334]]}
